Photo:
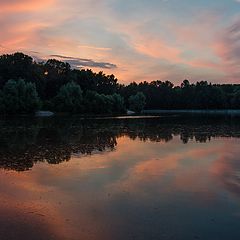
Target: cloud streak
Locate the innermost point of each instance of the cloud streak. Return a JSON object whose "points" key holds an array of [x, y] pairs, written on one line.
{"points": [[81, 62]]}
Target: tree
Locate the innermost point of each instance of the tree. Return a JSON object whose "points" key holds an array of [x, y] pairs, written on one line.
{"points": [[102, 93], [69, 98], [97, 103], [106, 84], [137, 102], [2, 106], [118, 105], [235, 103], [185, 84], [57, 74], [18, 66], [20, 97]]}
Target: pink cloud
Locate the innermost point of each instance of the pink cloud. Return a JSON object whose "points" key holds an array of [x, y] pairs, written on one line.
{"points": [[23, 5], [170, 50], [158, 49]]}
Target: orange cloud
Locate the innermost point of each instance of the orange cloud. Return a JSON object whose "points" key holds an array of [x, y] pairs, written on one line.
{"points": [[158, 49], [167, 162], [204, 63], [23, 5]]}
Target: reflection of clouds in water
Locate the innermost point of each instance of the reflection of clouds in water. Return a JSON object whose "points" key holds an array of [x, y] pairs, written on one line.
{"points": [[227, 167], [13, 226], [167, 168], [121, 174], [27, 210], [110, 195]]}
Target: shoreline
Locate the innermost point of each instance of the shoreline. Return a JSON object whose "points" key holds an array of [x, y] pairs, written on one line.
{"points": [[214, 111]]}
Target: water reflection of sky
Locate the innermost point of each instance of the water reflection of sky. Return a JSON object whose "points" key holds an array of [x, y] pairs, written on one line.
{"points": [[141, 190]]}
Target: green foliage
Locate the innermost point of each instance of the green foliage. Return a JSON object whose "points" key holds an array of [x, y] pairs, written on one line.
{"points": [[118, 105], [20, 97], [97, 103], [100, 103], [137, 102], [69, 99], [61, 88]]}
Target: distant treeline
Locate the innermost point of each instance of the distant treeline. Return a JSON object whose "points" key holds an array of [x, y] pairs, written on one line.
{"points": [[27, 86]]}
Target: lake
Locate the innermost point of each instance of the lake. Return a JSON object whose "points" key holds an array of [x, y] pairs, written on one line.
{"points": [[167, 177]]}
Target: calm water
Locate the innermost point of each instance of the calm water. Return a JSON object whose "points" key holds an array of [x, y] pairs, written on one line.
{"points": [[104, 179]]}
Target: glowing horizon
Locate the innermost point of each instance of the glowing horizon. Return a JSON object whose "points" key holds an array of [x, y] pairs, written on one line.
{"points": [[136, 40]]}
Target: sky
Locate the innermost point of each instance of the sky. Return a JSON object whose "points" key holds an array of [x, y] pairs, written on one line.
{"points": [[136, 40]]}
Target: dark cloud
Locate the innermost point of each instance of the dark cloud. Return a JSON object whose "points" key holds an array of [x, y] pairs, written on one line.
{"points": [[74, 62], [82, 62]]}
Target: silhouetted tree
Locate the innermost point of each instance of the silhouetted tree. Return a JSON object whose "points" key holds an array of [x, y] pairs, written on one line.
{"points": [[57, 74], [103, 94]]}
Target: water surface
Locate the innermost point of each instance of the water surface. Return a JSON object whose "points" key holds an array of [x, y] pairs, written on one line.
{"points": [[170, 177]]}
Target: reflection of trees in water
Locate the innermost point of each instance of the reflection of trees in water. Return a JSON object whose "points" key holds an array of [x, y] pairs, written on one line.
{"points": [[198, 129], [51, 141], [25, 142]]}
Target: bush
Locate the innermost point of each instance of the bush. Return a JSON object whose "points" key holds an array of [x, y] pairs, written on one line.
{"points": [[20, 97], [100, 103], [118, 105], [96, 103], [137, 102], [69, 99]]}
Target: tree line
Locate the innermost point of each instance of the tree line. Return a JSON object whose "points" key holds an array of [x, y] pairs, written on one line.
{"points": [[27, 85]]}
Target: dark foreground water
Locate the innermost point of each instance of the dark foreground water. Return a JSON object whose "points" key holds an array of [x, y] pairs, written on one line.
{"points": [[120, 179]]}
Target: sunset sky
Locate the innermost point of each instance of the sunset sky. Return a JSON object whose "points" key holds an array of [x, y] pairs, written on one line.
{"points": [[136, 40]]}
